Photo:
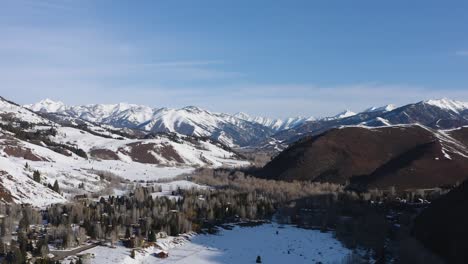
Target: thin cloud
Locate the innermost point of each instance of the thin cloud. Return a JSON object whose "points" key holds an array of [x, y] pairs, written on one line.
{"points": [[265, 100], [462, 53]]}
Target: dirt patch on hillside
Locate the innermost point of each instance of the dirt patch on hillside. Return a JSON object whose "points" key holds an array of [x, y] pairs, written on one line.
{"points": [[5, 195], [148, 152], [104, 154], [25, 153], [168, 152], [141, 152]]}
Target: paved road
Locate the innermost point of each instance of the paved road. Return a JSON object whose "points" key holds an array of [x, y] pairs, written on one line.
{"points": [[61, 254]]}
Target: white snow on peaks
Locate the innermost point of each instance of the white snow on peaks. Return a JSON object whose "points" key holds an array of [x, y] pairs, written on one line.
{"points": [[344, 114], [47, 106], [385, 108], [11, 109], [276, 124], [452, 105], [106, 113]]}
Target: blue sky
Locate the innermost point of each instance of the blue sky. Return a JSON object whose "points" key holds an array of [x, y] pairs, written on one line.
{"points": [[273, 58]]}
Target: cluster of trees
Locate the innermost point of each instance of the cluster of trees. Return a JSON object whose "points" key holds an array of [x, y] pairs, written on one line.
{"points": [[377, 221], [134, 218], [143, 216], [19, 235], [280, 191]]}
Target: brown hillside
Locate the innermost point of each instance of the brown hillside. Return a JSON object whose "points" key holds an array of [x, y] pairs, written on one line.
{"points": [[402, 156]]}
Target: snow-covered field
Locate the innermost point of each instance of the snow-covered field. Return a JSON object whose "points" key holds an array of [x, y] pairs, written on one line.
{"points": [[240, 245]]}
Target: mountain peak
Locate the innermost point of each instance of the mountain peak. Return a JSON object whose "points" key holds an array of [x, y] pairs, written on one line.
{"points": [[242, 115], [193, 108], [47, 105], [340, 115], [345, 113], [448, 104], [385, 108]]}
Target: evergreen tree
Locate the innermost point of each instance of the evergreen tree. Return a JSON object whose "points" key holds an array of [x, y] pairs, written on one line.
{"points": [[152, 236], [37, 176], [56, 187]]}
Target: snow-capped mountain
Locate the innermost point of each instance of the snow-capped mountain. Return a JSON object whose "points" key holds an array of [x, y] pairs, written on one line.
{"points": [[118, 115], [190, 120], [275, 124], [447, 104], [437, 114], [244, 130]]}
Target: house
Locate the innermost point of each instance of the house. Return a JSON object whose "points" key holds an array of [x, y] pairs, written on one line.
{"points": [[80, 197], [161, 255], [161, 235], [86, 258]]}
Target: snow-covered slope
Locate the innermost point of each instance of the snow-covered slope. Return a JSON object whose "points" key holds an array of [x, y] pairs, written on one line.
{"points": [[144, 159], [10, 111], [79, 154], [274, 243]]}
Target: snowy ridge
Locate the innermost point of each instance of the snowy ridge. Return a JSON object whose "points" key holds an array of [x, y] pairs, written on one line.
{"points": [[344, 114], [447, 104], [385, 108], [275, 124], [189, 120]]}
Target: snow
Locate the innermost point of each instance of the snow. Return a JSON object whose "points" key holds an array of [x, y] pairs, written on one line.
{"points": [[447, 104], [344, 114], [169, 187], [74, 170], [239, 245], [20, 113], [275, 123], [190, 120], [243, 245], [22, 188], [205, 153], [385, 108], [47, 106], [384, 121]]}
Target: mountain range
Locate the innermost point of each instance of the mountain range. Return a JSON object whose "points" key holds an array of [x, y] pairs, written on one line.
{"points": [[379, 147], [242, 130]]}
